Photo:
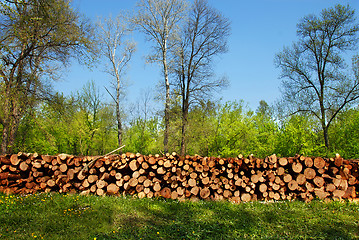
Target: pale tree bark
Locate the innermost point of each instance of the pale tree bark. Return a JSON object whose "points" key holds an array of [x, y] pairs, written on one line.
{"points": [[119, 53], [160, 20]]}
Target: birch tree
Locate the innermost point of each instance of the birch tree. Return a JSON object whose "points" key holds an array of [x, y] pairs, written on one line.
{"points": [[118, 51], [159, 20]]}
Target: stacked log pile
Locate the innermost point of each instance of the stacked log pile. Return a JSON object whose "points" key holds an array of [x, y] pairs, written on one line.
{"points": [[191, 177]]}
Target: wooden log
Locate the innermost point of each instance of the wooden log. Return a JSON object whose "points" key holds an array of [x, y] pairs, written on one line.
{"points": [[246, 197], [283, 161], [101, 184], [134, 165], [152, 160], [263, 188], [227, 194], [139, 188], [161, 170], [63, 168], [292, 185], [195, 190], [309, 186], [92, 178], [271, 176], [319, 181], [254, 178], [133, 182], [145, 165], [287, 178], [330, 187], [50, 183], [112, 189], [180, 190], [156, 187], [192, 182], [309, 173], [350, 193], [297, 167], [280, 171], [85, 184], [165, 192], [147, 183], [211, 164], [338, 161], [81, 175], [36, 164], [71, 174], [319, 162], [205, 193], [100, 192], [338, 193], [23, 166], [308, 162], [167, 164], [205, 180], [15, 160]]}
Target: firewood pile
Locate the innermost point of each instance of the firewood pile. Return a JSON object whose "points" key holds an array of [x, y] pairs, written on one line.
{"points": [[240, 179]]}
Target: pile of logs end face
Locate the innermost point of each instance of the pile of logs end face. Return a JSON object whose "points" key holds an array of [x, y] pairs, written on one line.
{"points": [[191, 177]]}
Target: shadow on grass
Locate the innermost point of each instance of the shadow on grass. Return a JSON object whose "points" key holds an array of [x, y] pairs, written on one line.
{"points": [[74, 217], [222, 220], [181, 220]]}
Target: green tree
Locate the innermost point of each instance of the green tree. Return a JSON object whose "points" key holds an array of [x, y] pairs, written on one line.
{"points": [[89, 102], [34, 36], [266, 130], [299, 134], [344, 134], [234, 130], [142, 135], [201, 128], [316, 79], [50, 128]]}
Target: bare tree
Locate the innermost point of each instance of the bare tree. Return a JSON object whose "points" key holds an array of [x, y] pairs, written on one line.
{"points": [[118, 51], [316, 78], [204, 37], [35, 36], [159, 20]]}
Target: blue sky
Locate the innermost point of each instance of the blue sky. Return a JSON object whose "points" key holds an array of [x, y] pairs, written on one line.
{"points": [[260, 29]]}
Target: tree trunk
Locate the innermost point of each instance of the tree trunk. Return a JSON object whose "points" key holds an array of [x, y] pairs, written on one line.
{"points": [[184, 126], [6, 124], [119, 126], [10, 128], [167, 104], [326, 137], [4, 141], [118, 114]]}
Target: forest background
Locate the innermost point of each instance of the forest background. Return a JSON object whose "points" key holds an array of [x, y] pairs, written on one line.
{"points": [[35, 117]]}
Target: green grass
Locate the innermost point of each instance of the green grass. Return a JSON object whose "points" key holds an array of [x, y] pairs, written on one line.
{"points": [[56, 216]]}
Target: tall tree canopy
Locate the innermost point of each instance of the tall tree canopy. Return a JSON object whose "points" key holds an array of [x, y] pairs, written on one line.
{"points": [[35, 35], [159, 20], [118, 51], [203, 37], [316, 79]]}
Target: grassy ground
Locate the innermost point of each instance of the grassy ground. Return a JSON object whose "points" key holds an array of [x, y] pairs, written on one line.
{"points": [[56, 216]]}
